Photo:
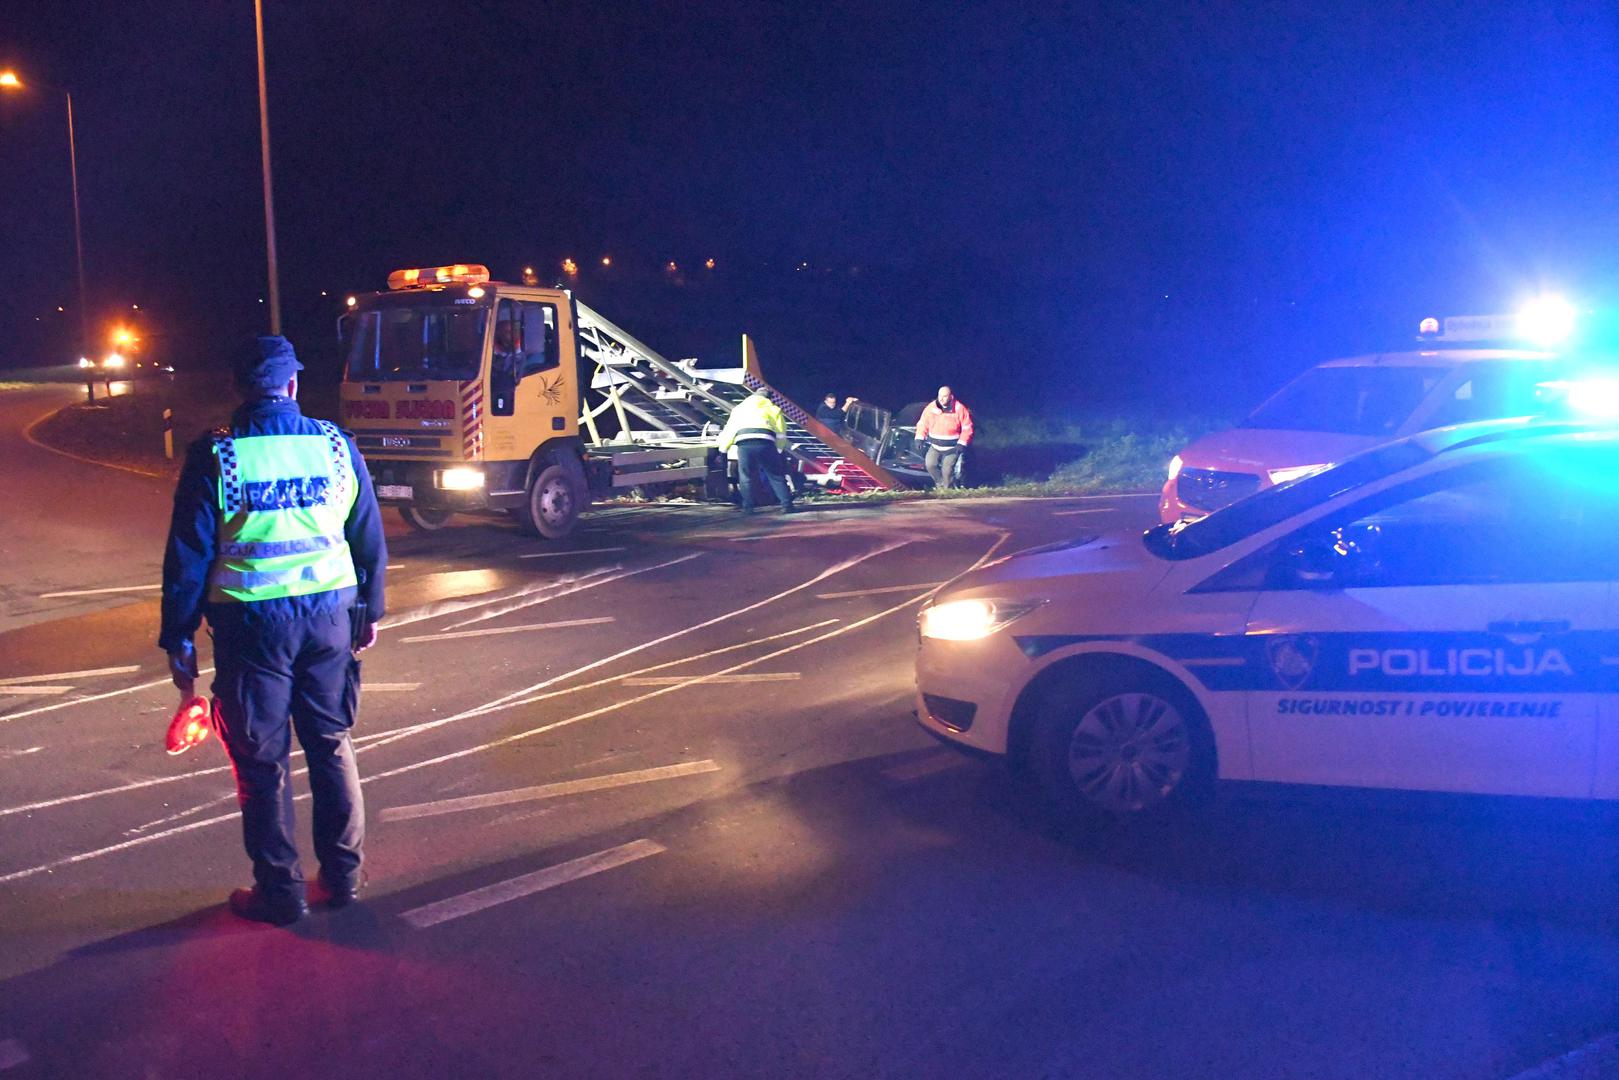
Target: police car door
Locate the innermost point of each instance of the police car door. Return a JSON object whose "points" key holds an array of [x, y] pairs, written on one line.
{"points": [[1444, 634]]}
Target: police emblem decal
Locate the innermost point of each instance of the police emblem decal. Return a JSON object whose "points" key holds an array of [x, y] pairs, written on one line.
{"points": [[552, 391], [1293, 659]]}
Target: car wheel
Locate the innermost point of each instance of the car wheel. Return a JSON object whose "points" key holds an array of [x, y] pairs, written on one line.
{"points": [[556, 498], [1121, 748], [423, 518]]}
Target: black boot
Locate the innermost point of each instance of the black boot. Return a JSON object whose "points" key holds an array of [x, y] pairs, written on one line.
{"points": [[277, 911]]}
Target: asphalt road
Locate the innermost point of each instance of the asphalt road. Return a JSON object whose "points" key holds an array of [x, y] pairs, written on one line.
{"points": [[69, 529], [654, 805]]}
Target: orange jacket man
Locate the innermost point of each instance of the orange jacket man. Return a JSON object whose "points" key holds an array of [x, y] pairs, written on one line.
{"points": [[945, 429]]}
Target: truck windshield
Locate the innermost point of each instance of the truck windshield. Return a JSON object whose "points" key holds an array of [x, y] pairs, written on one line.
{"points": [[418, 336], [1348, 400]]}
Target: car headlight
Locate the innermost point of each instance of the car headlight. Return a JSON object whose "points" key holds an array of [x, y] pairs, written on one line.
{"points": [[1293, 472], [1175, 466], [460, 479], [972, 620]]}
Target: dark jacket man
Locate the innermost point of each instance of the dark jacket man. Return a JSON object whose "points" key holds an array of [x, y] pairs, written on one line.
{"points": [[277, 541]]}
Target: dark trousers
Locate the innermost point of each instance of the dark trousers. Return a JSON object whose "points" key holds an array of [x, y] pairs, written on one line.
{"points": [[302, 669], [941, 465], [754, 456]]}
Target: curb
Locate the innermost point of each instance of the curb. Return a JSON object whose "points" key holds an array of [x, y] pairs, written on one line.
{"points": [[28, 434]]}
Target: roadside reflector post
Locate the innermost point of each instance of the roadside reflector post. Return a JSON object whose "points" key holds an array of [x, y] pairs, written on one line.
{"points": [[90, 385], [168, 434]]}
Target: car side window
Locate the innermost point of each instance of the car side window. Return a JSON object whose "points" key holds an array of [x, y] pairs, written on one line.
{"points": [[1491, 392], [1546, 518], [538, 339]]}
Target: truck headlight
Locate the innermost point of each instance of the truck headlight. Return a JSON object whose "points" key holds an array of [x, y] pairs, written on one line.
{"points": [[972, 620], [460, 479]]}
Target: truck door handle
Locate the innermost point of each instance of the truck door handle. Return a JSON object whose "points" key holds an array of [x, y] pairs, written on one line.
{"points": [[1549, 626]]}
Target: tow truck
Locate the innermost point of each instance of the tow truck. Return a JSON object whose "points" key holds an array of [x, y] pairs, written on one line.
{"points": [[469, 394]]}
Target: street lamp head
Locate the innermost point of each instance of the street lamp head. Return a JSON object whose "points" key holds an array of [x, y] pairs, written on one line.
{"points": [[9, 80]]}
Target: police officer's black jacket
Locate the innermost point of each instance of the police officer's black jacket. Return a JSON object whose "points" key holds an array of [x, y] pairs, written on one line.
{"points": [[195, 525]]}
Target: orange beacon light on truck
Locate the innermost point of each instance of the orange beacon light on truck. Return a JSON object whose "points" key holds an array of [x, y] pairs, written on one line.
{"points": [[192, 722]]}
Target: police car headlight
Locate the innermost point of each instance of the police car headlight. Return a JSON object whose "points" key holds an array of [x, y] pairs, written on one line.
{"points": [[972, 620], [1175, 466], [461, 479], [1294, 472]]}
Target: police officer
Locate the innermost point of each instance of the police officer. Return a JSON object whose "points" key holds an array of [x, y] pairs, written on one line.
{"points": [[277, 541], [757, 430]]}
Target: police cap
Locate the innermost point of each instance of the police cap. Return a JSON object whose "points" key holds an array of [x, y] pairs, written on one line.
{"points": [[268, 367]]}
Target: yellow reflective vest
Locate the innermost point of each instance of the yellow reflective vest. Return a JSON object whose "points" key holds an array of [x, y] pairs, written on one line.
{"points": [[756, 418]]}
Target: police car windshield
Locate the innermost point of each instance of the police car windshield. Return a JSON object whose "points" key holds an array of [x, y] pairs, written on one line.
{"points": [[1272, 506], [1361, 400], [402, 337]]}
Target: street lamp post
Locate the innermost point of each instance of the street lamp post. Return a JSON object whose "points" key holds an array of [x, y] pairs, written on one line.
{"points": [[264, 152], [9, 80]]}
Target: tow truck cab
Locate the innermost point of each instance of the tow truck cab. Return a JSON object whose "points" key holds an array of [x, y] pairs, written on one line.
{"points": [[465, 394]]}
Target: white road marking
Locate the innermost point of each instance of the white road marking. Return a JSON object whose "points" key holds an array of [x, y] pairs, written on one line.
{"points": [[548, 791], [125, 845], [576, 551], [518, 605], [389, 687], [877, 592], [396, 566], [19, 680], [380, 738], [390, 736], [1116, 495], [615, 706], [165, 681], [830, 571], [20, 753], [12, 1054], [769, 536], [563, 624], [100, 592], [187, 812], [512, 700], [528, 884], [928, 766], [33, 691], [762, 676], [452, 607], [1076, 513]]}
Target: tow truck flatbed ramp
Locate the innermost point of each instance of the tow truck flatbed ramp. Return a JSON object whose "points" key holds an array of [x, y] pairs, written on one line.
{"points": [[691, 404]]}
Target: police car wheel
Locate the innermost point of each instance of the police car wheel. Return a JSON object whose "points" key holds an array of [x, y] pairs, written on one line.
{"points": [[555, 500], [424, 519], [1127, 747]]}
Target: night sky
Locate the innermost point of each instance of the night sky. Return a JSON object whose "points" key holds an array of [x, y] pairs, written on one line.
{"points": [[1112, 207]]}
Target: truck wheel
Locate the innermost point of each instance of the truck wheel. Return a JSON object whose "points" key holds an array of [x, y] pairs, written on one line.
{"points": [[556, 498], [424, 518], [1121, 747]]}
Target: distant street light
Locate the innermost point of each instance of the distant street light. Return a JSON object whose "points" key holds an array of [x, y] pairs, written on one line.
{"points": [[9, 80]]}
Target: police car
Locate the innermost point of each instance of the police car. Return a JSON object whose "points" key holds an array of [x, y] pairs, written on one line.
{"points": [[1347, 405], [1437, 613]]}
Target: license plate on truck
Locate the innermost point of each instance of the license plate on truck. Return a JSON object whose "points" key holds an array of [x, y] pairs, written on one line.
{"points": [[395, 491]]}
